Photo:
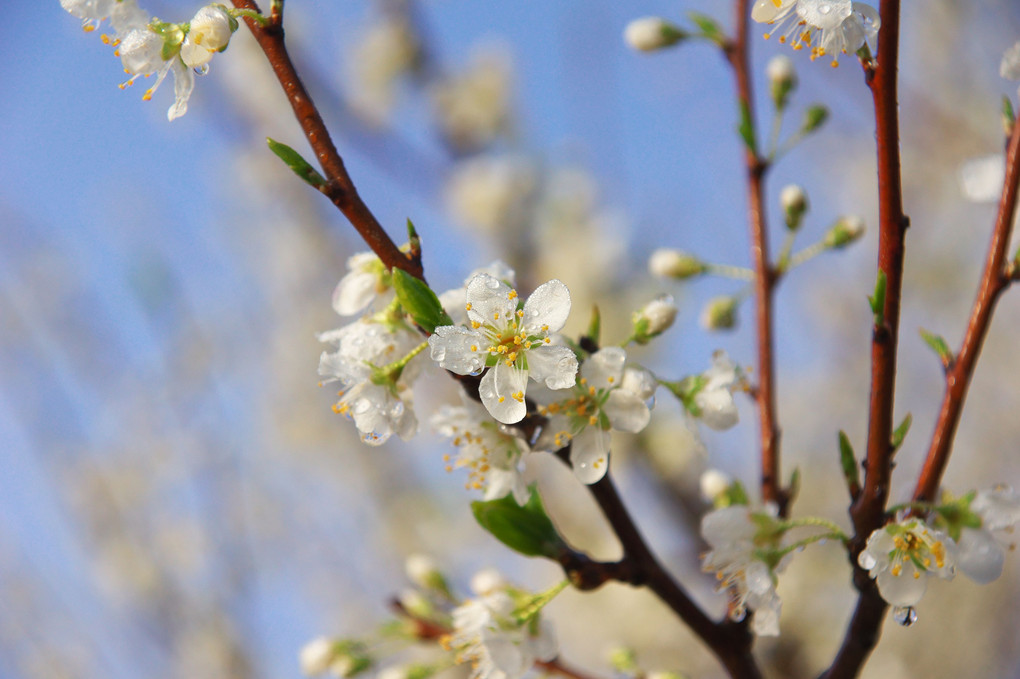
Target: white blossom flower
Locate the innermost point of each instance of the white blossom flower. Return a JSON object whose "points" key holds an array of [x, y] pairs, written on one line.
{"points": [[512, 343], [735, 534], [492, 452], [488, 634], [142, 53], [826, 27], [981, 554], [473, 107], [379, 405], [714, 483], [715, 399], [365, 282], [209, 32], [900, 556], [601, 400], [455, 300]]}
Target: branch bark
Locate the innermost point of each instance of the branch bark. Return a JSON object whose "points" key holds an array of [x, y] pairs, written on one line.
{"points": [[339, 187], [765, 275], [994, 280]]}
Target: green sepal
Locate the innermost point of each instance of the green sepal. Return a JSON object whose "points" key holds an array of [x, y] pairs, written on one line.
{"points": [[1008, 115], [419, 301], [901, 432], [296, 163], [938, 345], [848, 461], [793, 488], [814, 117], [877, 300], [525, 529], [685, 390], [594, 331], [746, 128], [736, 494], [708, 26]]}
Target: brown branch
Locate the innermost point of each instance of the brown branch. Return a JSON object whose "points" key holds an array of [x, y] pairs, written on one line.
{"points": [[994, 280], [338, 188], [765, 276], [868, 510]]}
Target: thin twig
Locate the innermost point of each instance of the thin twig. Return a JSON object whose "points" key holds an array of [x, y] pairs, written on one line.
{"points": [[765, 276], [339, 187], [994, 280], [868, 511]]}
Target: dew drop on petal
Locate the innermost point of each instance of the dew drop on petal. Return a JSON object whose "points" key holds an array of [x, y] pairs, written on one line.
{"points": [[904, 615], [202, 70], [824, 8], [867, 561], [491, 283]]}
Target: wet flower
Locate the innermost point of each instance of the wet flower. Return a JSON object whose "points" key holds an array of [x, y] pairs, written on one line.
{"points": [[981, 553], [654, 318], [603, 399], [900, 557], [743, 544], [365, 282], [508, 343], [826, 27], [491, 451], [714, 400], [208, 33]]}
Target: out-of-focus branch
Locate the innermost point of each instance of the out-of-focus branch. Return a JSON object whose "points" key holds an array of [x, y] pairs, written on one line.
{"points": [[765, 276], [868, 510], [994, 280], [339, 187]]}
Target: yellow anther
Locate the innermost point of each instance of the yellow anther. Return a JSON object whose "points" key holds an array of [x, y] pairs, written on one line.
{"points": [[520, 313], [105, 38], [593, 419], [518, 396], [468, 306], [88, 28], [917, 574], [336, 408], [512, 294], [545, 328], [147, 96], [547, 340], [896, 569], [501, 399], [495, 316], [583, 380], [768, 35], [611, 379], [474, 347], [591, 391]]}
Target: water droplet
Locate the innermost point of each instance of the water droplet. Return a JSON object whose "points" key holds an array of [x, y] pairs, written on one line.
{"points": [[824, 8], [904, 615], [491, 283], [738, 613], [202, 70], [867, 561]]}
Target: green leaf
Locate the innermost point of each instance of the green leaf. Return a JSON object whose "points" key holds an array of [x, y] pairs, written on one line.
{"points": [[901, 432], [938, 345], [1008, 115], [746, 128], [594, 331], [794, 486], [413, 239], [848, 461], [296, 163], [418, 300], [525, 529], [878, 299], [708, 26]]}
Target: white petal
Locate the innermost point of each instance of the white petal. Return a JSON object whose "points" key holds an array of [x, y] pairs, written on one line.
{"points": [[458, 349], [626, 411], [981, 179], [639, 382], [498, 389], [903, 589], [604, 368], [544, 646], [728, 525], [497, 269], [589, 455], [184, 83], [548, 305], [354, 292], [766, 11], [492, 301], [1010, 66], [824, 14], [718, 410], [555, 366], [980, 557]]}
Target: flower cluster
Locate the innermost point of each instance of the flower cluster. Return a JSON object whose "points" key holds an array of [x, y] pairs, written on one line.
{"points": [[825, 27], [148, 46]]}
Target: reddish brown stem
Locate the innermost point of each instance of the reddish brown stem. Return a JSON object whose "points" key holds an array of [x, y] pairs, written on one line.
{"points": [[994, 280], [868, 511], [338, 188], [765, 276]]}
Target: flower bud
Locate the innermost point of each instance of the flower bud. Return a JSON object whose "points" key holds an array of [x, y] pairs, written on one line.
{"points": [[670, 263], [720, 313], [814, 118], [845, 231], [793, 200], [415, 603], [782, 79], [714, 483], [640, 382], [652, 33], [487, 581], [209, 32], [422, 571], [316, 656], [654, 318]]}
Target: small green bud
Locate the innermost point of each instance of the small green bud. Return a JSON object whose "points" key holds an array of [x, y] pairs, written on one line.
{"points": [[652, 33], [782, 79], [843, 232], [720, 313], [794, 202], [670, 263], [814, 117]]}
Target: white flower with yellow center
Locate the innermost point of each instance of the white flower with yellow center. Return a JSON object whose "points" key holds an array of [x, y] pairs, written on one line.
{"points": [[714, 400], [981, 555], [208, 33], [901, 556], [825, 27], [490, 451], [741, 542], [605, 397], [512, 343]]}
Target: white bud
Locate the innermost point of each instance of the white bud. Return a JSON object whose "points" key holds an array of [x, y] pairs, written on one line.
{"points": [[316, 656], [714, 483], [845, 231], [487, 581], [670, 263], [651, 33], [415, 603], [781, 69], [209, 32], [793, 200], [720, 313], [655, 317], [421, 570], [640, 382]]}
